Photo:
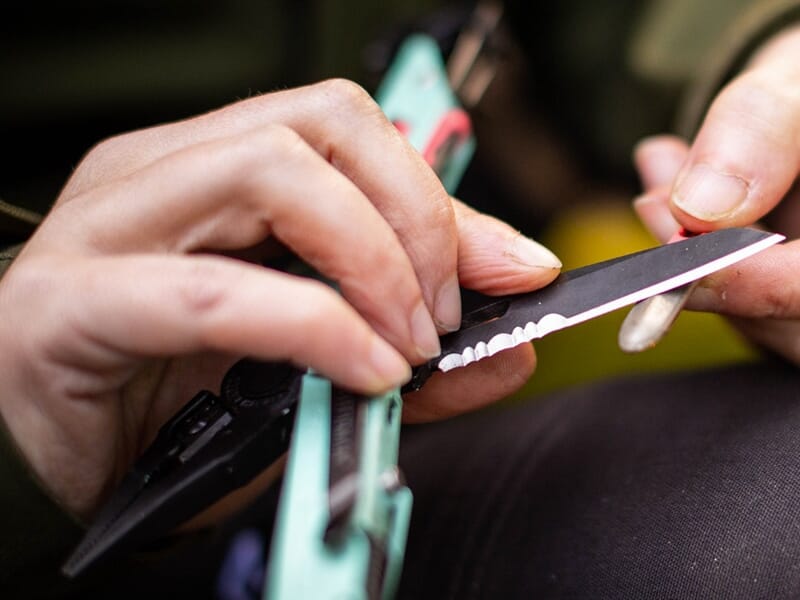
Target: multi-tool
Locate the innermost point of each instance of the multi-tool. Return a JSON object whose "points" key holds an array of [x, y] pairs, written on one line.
{"points": [[344, 511], [217, 443]]}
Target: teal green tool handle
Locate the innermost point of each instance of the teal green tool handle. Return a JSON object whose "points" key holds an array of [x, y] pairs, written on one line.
{"points": [[346, 541], [365, 559]]}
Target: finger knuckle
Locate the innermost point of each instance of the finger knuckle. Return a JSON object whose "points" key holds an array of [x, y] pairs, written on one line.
{"points": [[283, 143], [97, 163], [350, 102], [106, 148], [345, 93], [203, 289], [758, 105], [268, 146], [781, 302], [28, 292], [244, 160], [442, 214], [29, 280]]}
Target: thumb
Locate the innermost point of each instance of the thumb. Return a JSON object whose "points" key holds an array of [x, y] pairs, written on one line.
{"points": [[746, 155], [495, 259]]}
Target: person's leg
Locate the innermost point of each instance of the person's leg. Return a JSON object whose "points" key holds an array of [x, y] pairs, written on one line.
{"points": [[661, 486]]}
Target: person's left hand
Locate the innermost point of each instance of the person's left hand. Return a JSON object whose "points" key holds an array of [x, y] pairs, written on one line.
{"points": [[741, 166], [491, 256], [139, 288]]}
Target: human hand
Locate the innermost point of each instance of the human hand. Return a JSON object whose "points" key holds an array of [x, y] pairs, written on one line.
{"points": [[742, 165], [128, 299]]}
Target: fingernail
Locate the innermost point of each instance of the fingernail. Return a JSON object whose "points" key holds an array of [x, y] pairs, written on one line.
{"points": [[389, 369], [708, 194], [447, 306], [532, 254], [423, 332]]}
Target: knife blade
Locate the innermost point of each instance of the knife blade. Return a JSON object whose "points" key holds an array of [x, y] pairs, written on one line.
{"points": [[649, 320], [588, 292]]}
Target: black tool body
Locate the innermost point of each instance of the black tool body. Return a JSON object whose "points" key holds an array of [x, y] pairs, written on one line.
{"points": [[214, 445]]}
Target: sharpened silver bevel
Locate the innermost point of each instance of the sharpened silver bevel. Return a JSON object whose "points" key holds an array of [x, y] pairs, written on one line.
{"points": [[504, 341], [522, 334]]}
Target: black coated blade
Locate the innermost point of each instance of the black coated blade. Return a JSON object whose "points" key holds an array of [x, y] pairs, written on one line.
{"points": [[582, 294]]}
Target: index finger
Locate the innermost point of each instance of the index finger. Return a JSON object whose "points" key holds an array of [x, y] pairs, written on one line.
{"points": [[233, 192], [347, 128]]}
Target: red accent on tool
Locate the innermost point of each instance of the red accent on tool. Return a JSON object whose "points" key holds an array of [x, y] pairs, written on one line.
{"points": [[402, 126], [453, 128], [681, 235]]}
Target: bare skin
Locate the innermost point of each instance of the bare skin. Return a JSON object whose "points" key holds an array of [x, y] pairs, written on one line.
{"points": [[128, 299], [743, 164]]}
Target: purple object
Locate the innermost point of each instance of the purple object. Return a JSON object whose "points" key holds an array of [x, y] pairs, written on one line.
{"points": [[242, 574]]}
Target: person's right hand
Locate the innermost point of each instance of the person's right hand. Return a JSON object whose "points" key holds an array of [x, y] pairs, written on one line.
{"points": [[742, 166], [128, 300]]}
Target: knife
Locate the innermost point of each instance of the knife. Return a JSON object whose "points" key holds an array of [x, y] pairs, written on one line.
{"points": [[585, 293], [649, 320]]}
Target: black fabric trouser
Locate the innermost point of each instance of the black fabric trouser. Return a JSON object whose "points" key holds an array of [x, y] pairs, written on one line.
{"points": [[670, 486], [666, 486]]}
